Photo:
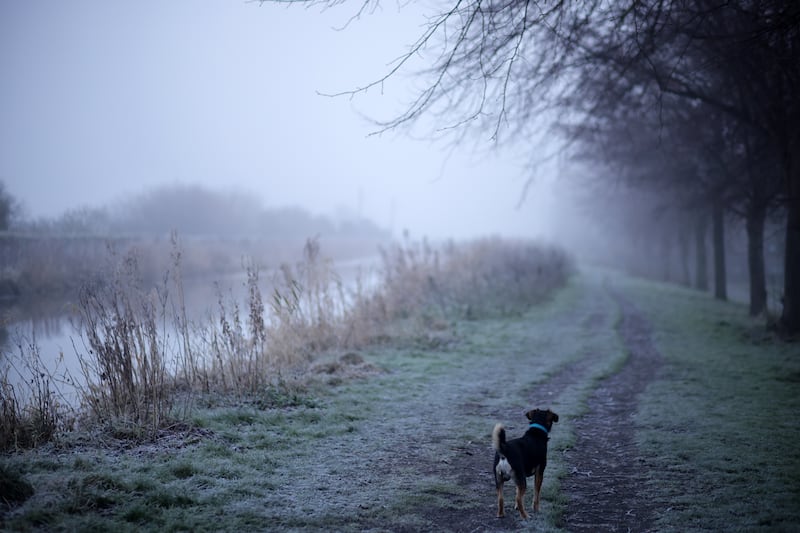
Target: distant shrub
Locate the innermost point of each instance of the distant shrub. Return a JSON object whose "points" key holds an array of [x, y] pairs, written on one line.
{"points": [[430, 285], [480, 278]]}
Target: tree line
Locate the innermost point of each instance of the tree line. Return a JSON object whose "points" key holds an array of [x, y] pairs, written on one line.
{"points": [[206, 233], [690, 102], [191, 211]]}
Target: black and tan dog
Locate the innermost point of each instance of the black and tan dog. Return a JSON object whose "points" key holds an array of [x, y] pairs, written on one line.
{"points": [[521, 458]]}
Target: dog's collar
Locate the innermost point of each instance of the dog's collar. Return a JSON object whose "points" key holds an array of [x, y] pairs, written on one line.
{"points": [[539, 426]]}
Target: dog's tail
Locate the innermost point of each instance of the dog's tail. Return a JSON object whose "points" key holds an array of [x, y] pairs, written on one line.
{"points": [[499, 437]]}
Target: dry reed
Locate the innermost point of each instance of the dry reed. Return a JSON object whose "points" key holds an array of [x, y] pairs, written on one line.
{"points": [[133, 367]]}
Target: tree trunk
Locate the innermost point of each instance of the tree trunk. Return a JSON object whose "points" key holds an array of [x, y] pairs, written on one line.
{"points": [[683, 244], [720, 276], [790, 317], [701, 281], [755, 260]]}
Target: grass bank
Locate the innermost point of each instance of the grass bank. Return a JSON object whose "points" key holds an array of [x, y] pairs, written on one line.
{"points": [[373, 440], [720, 425], [396, 436], [139, 355]]}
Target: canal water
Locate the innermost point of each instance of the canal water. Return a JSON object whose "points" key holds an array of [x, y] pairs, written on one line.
{"points": [[48, 332]]}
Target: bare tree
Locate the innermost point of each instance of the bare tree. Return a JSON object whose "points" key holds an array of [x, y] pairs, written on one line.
{"points": [[8, 208], [740, 58], [500, 64]]}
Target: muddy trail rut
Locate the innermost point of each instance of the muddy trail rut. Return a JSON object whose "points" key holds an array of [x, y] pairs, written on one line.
{"points": [[419, 457], [604, 484], [605, 472]]}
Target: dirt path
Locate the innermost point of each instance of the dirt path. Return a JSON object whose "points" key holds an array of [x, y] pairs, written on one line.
{"points": [[420, 457], [603, 485], [605, 471], [475, 468], [398, 439]]}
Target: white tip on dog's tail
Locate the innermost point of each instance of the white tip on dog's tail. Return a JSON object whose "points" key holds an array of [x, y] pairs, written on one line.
{"points": [[498, 437]]}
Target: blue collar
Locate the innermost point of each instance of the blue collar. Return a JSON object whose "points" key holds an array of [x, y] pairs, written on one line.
{"points": [[539, 426]]}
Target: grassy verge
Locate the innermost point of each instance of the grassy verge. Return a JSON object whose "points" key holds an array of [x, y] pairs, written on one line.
{"points": [[397, 436], [341, 453], [140, 351], [720, 425]]}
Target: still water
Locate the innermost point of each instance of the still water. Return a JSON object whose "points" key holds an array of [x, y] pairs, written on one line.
{"points": [[51, 328]]}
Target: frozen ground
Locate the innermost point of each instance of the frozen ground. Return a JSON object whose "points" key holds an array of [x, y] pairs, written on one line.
{"points": [[653, 386]]}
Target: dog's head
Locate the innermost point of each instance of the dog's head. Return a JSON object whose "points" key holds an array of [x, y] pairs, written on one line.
{"points": [[543, 417]]}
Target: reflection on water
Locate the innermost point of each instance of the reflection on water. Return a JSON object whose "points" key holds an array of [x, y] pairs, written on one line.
{"points": [[52, 327], [48, 333], [45, 323], [47, 317], [35, 334]]}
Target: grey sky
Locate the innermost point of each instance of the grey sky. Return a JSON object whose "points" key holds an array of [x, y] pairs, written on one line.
{"points": [[105, 98]]}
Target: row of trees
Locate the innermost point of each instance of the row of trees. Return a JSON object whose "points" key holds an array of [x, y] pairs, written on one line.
{"points": [[697, 105], [8, 208], [192, 211], [206, 233], [694, 101]]}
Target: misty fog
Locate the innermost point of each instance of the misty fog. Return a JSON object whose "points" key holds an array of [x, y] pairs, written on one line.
{"points": [[104, 102], [238, 120]]}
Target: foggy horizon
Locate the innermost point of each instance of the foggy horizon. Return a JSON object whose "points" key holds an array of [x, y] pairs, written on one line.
{"points": [[103, 103], [106, 102], [284, 264]]}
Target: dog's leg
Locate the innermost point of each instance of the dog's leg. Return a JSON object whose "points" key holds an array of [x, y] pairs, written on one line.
{"points": [[521, 501], [500, 504], [537, 488]]}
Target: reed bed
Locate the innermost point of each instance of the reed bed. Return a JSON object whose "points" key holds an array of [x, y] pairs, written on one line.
{"points": [[33, 411], [483, 278], [141, 353]]}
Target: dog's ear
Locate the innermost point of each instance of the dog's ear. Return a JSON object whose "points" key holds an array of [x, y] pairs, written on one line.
{"points": [[529, 414], [554, 416]]}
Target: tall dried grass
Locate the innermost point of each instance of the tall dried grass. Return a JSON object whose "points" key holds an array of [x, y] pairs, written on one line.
{"points": [[125, 379], [245, 354], [142, 349], [234, 346], [33, 411], [307, 308], [482, 278]]}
